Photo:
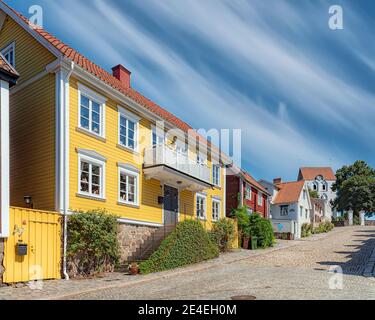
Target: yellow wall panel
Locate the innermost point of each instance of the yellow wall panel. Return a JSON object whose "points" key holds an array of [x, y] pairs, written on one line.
{"points": [[32, 144], [30, 56]]}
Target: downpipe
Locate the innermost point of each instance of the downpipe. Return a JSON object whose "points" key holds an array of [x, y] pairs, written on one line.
{"points": [[66, 92]]}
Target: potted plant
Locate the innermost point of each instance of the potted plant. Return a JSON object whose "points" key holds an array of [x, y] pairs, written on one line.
{"points": [[134, 268]]}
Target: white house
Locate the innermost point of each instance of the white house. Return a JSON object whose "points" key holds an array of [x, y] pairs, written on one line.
{"points": [[8, 77], [321, 179], [290, 206]]}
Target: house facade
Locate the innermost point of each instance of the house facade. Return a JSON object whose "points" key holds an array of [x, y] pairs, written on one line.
{"points": [[83, 139], [321, 179], [243, 190], [290, 206]]}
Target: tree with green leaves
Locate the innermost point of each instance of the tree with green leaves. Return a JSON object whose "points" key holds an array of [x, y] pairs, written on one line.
{"points": [[355, 187]]}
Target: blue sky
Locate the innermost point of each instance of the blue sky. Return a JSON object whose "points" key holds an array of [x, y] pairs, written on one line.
{"points": [[303, 94]]}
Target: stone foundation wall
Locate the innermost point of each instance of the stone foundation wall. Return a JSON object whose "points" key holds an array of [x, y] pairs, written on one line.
{"points": [[369, 222], [1, 260], [131, 237]]}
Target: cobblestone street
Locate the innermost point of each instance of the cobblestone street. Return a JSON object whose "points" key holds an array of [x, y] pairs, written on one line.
{"points": [[291, 270]]}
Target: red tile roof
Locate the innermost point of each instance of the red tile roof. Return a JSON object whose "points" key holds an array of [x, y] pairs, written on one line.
{"points": [[289, 192], [249, 179], [7, 68], [310, 173], [108, 78]]}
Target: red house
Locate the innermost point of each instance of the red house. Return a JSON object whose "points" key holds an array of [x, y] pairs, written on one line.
{"points": [[242, 189]]}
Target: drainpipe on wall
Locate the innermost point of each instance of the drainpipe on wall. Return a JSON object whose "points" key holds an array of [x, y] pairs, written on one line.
{"points": [[63, 72]]}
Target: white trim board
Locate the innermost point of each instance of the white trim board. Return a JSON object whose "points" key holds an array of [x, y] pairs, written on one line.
{"points": [[4, 153]]}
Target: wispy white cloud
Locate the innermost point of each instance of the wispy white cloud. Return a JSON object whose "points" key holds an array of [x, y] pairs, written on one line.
{"points": [[244, 33]]}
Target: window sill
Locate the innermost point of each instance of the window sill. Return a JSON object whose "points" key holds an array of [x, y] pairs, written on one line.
{"points": [[87, 196], [120, 146], [91, 134], [216, 186], [120, 203]]}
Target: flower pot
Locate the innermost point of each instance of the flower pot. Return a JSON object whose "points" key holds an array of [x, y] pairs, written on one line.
{"points": [[245, 242], [134, 269]]}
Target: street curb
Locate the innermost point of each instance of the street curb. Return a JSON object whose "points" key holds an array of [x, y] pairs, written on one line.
{"points": [[166, 276]]}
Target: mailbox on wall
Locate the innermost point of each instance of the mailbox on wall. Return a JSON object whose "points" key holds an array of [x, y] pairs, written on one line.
{"points": [[21, 249]]}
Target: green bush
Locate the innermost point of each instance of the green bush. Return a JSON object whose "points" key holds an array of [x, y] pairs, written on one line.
{"points": [[222, 234], [243, 223], [261, 229], [92, 242], [323, 227], [306, 230], [188, 243]]}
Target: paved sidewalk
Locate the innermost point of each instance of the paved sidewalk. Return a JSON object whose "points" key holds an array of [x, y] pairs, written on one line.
{"points": [[286, 254], [62, 289]]}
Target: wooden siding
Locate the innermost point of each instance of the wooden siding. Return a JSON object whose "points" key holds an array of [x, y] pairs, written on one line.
{"points": [[41, 231], [232, 191], [30, 56], [149, 210], [32, 144]]}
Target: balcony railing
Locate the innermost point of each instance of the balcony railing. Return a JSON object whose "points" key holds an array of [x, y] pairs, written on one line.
{"points": [[165, 155]]}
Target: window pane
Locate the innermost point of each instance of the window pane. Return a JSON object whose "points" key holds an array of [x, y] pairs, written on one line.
{"points": [[84, 187], [131, 125], [95, 190], [131, 144], [85, 101], [95, 179], [95, 127], [131, 134], [123, 140], [95, 107], [96, 170], [84, 123], [85, 112], [84, 166], [85, 177], [96, 117]]}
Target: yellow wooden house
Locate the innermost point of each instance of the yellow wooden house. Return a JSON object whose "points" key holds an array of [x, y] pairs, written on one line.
{"points": [[82, 138]]}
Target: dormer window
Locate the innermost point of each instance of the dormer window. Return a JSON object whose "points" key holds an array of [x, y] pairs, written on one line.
{"points": [[9, 54]]}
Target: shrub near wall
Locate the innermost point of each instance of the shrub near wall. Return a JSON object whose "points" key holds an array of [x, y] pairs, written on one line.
{"points": [[262, 229], [222, 234], [92, 243], [188, 243]]}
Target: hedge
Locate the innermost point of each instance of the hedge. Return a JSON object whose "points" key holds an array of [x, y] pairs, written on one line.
{"points": [[92, 243], [222, 234], [189, 243]]}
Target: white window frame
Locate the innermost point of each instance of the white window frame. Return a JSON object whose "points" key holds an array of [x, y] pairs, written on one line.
{"points": [[218, 182], [248, 191], [133, 118], [160, 140], [218, 202], [260, 199], [93, 97], [204, 197], [136, 187], [10, 47], [97, 162]]}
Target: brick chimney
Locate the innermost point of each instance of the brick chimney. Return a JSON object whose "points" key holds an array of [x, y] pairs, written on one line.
{"points": [[122, 74], [276, 180]]}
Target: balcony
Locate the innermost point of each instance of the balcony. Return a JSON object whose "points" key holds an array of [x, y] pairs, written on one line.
{"points": [[163, 163]]}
